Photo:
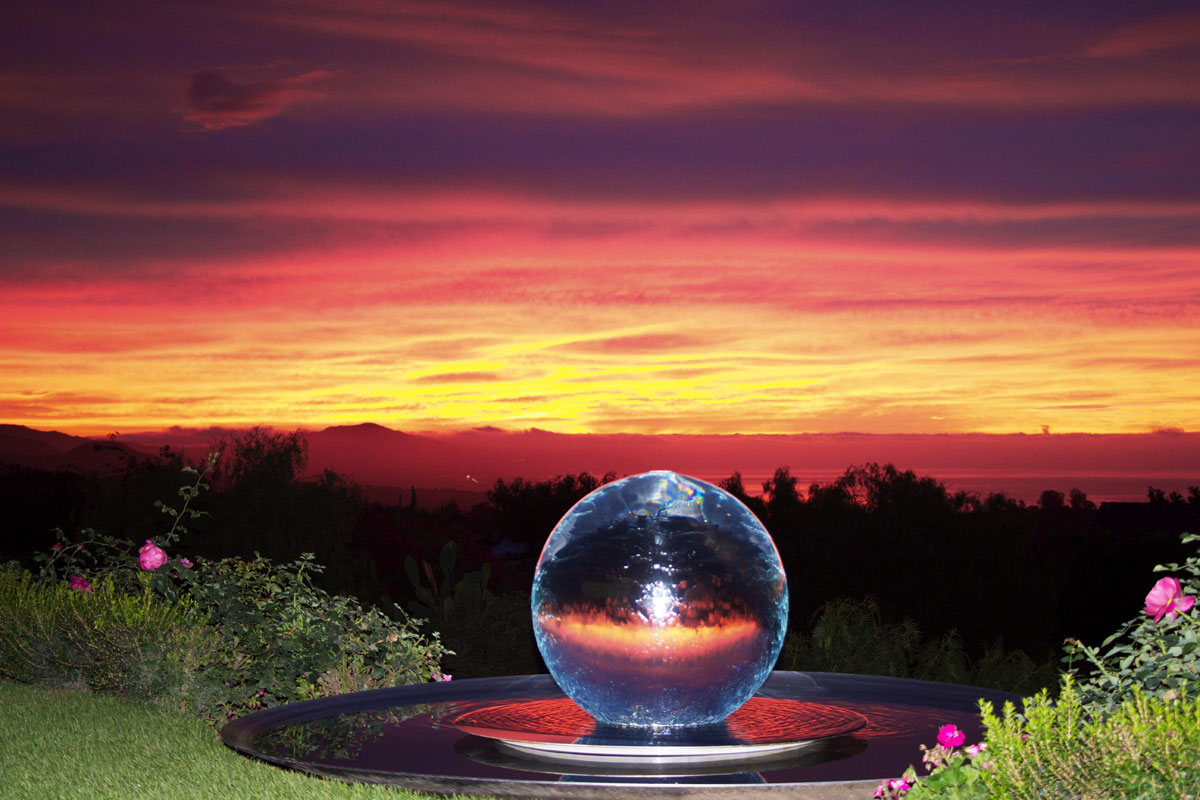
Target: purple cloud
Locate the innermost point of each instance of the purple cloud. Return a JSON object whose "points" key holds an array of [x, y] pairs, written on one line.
{"points": [[216, 101]]}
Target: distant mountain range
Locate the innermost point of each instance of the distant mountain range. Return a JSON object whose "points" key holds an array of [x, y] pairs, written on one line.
{"points": [[52, 450], [1112, 466]]}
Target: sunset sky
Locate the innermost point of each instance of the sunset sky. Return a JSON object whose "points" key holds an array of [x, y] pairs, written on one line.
{"points": [[753, 217]]}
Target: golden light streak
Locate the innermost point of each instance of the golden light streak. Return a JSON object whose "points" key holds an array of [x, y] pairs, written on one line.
{"points": [[599, 635]]}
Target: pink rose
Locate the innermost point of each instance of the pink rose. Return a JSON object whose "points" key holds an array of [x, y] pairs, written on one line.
{"points": [[80, 584], [950, 736], [1166, 599], [185, 563], [58, 546], [151, 556]]}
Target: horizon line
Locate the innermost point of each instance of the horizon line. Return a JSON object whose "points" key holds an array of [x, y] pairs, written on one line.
{"points": [[90, 432]]}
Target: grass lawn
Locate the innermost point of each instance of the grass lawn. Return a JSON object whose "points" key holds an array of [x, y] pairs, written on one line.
{"points": [[78, 746]]}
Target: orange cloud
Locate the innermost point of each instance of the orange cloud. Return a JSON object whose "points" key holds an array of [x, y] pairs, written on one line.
{"points": [[759, 333], [459, 377]]}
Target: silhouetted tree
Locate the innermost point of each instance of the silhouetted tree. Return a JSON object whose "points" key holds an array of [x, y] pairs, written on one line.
{"points": [[259, 458], [782, 500], [1051, 501], [733, 485], [264, 505], [998, 502], [526, 512], [1080, 502], [964, 501], [890, 492]]}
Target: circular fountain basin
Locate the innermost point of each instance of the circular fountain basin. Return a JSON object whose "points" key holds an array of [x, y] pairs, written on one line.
{"points": [[803, 735], [559, 731]]}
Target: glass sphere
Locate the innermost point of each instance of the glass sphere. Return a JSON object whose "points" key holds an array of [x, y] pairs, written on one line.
{"points": [[659, 601]]}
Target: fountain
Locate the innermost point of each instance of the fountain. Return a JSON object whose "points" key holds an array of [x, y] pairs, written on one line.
{"points": [[659, 602], [659, 605]]}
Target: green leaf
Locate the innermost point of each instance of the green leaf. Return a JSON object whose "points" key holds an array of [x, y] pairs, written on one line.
{"points": [[410, 569], [953, 776], [447, 558]]}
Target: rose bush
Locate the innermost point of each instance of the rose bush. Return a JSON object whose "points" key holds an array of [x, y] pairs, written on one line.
{"points": [[1157, 652]]}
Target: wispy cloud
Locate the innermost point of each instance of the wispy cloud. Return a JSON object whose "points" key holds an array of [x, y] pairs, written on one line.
{"points": [[215, 100], [570, 60], [1155, 35], [459, 377], [640, 343]]}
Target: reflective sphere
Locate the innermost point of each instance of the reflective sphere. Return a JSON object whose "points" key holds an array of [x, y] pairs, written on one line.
{"points": [[659, 601]]}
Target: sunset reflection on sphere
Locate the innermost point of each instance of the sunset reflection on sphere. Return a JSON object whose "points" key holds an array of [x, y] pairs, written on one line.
{"points": [[659, 601]]}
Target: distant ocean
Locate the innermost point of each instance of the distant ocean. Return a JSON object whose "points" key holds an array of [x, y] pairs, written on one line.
{"points": [[1099, 487]]}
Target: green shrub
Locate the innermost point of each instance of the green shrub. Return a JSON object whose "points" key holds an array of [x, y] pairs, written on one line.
{"points": [[281, 639], [240, 635], [219, 637], [105, 640], [442, 601], [850, 636], [487, 634], [1147, 747], [498, 643]]}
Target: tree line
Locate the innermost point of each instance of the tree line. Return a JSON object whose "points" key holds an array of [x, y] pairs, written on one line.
{"points": [[992, 568]]}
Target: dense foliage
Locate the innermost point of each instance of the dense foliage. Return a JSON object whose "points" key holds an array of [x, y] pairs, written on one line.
{"points": [[925, 557], [219, 637], [851, 636], [1127, 726], [1050, 572]]}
